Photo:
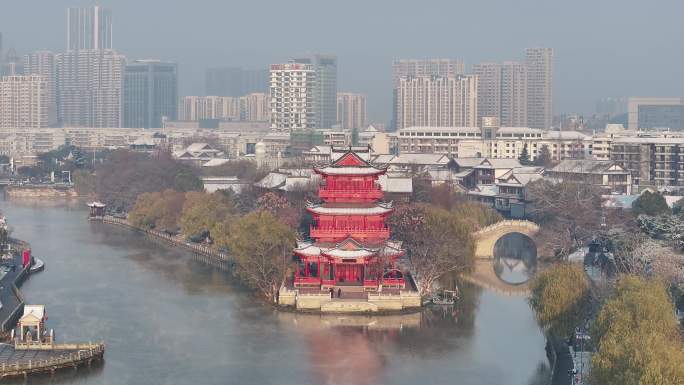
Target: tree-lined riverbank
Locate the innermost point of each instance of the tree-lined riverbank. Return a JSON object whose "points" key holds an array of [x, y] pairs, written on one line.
{"points": [[198, 326]]}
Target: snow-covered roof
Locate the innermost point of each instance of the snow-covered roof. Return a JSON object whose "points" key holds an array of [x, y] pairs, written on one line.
{"points": [[498, 163], [37, 311], [350, 170], [565, 135], [420, 159], [306, 248], [383, 158], [197, 147], [485, 190], [589, 166], [396, 184], [330, 209], [348, 248], [216, 162], [272, 180], [339, 253]]}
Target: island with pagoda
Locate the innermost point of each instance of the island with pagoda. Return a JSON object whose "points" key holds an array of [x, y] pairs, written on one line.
{"points": [[350, 264]]}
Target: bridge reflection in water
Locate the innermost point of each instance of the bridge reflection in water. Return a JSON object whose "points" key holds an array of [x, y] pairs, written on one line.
{"points": [[515, 258]]}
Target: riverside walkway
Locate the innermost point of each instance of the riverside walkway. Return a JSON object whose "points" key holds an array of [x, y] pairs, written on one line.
{"points": [[23, 359]]}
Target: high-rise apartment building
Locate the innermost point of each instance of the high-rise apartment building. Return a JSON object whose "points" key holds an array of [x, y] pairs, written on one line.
{"points": [[502, 93], [437, 101], [89, 84], [488, 90], [539, 65], [254, 107], [293, 96], [43, 63], [403, 68], [426, 67], [513, 99], [325, 93], [89, 28], [234, 81], [23, 102], [150, 93], [351, 110]]}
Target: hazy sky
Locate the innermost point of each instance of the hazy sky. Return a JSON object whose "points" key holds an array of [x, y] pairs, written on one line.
{"points": [[603, 47]]}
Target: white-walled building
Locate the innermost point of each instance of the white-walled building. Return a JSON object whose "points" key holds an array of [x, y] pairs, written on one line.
{"points": [[90, 88], [23, 102], [437, 101], [292, 96]]}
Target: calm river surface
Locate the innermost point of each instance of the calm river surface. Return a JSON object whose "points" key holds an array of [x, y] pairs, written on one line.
{"points": [[168, 319]]}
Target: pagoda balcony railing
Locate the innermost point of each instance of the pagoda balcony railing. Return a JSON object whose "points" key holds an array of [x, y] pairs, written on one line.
{"points": [[307, 281], [325, 193], [354, 232], [393, 281]]}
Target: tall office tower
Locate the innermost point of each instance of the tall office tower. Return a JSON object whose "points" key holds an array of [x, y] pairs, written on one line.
{"points": [[326, 90], [418, 68], [539, 63], [255, 81], [150, 93], [292, 94], [254, 107], [234, 81], [437, 101], [23, 102], [351, 110], [43, 63], [89, 28], [513, 95], [89, 84]]}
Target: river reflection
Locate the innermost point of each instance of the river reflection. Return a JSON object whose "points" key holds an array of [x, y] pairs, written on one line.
{"points": [[515, 258], [168, 319]]}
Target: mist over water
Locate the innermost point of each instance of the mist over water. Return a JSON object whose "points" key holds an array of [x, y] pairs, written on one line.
{"points": [[168, 319]]}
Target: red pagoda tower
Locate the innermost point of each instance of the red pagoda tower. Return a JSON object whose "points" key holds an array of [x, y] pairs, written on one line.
{"points": [[349, 243]]}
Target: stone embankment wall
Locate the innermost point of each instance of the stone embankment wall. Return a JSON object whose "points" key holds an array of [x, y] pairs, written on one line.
{"points": [[202, 253], [40, 192], [376, 302]]}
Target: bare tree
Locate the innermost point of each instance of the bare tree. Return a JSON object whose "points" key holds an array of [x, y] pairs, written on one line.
{"points": [[569, 214]]}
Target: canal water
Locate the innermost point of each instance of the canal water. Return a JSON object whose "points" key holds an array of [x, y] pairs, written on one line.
{"points": [[168, 319]]}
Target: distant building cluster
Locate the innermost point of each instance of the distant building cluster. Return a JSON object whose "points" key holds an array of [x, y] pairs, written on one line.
{"points": [[253, 107], [437, 92], [469, 128]]}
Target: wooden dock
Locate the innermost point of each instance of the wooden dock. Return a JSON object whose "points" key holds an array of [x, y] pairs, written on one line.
{"points": [[23, 359]]}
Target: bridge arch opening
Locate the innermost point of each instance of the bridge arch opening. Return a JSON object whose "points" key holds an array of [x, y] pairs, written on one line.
{"points": [[515, 258]]}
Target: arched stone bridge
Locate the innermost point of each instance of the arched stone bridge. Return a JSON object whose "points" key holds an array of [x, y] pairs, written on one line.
{"points": [[483, 273], [486, 238]]}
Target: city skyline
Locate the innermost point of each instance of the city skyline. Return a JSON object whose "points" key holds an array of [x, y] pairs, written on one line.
{"points": [[585, 70]]}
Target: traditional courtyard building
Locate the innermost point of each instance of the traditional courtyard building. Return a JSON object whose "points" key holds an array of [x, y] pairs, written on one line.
{"points": [[350, 243]]}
